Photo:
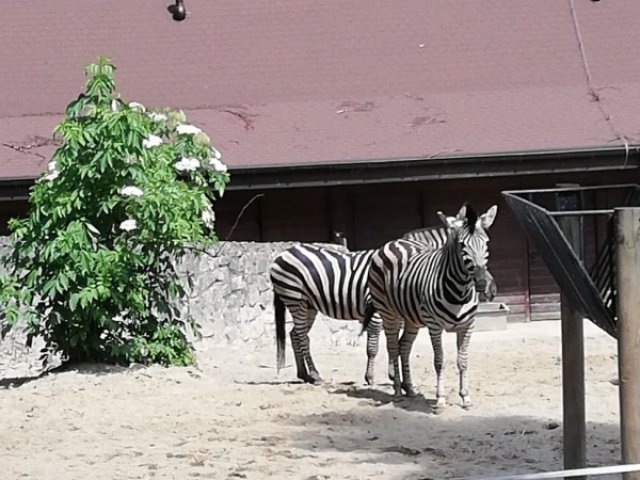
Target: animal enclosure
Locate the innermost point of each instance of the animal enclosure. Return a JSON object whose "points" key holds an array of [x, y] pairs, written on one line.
{"points": [[233, 417]]}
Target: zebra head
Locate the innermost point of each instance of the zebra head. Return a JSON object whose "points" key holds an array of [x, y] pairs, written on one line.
{"points": [[470, 231]]}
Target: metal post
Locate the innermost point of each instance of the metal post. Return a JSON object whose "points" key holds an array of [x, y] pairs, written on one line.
{"points": [[573, 394], [628, 285]]}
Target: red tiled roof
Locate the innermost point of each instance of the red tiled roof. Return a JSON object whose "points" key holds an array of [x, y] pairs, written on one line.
{"points": [[289, 82]]}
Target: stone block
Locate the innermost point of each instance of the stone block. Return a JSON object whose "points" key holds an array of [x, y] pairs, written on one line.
{"points": [[238, 283], [230, 318], [253, 295], [263, 282], [231, 334]]}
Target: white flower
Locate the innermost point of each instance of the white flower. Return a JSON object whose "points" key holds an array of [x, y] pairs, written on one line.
{"points": [[114, 105], [187, 164], [217, 165], [208, 216], [128, 225], [52, 176], [137, 106], [152, 141], [185, 129], [157, 117], [52, 166], [216, 154], [131, 191], [221, 191]]}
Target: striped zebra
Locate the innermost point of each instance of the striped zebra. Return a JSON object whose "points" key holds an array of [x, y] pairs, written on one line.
{"points": [[414, 288], [435, 236], [308, 279]]}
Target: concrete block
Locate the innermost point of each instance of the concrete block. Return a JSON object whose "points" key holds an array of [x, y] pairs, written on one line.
{"points": [[491, 316]]}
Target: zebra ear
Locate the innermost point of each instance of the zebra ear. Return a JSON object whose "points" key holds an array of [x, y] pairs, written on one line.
{"points": [[462, 213], [443, 218], [450, 222], [486, 219]]}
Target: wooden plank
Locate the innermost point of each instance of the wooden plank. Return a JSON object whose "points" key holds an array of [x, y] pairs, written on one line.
{"points": [[545, 316], [546, 298], [510, 298], [628, 266], [573, 391], [515, 318], [546, 307], [517, 308]]}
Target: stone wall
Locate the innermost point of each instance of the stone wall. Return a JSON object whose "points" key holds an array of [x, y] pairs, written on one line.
{"points": [[232, 297], [231, 300]]}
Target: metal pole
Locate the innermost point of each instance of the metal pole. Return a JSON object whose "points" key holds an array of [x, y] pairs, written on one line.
{"points": [[628, 285], [579, 472], [573, 393]]}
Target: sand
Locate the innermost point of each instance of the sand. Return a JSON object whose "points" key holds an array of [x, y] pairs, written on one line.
{"points": [[233, 417]]}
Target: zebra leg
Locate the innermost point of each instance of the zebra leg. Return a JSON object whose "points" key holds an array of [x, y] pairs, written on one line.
{"points": [[297, 353], [300, 339], [314, 375], [373, 344], [463, 338], [406, 343], [438, 364], [391, 330]]}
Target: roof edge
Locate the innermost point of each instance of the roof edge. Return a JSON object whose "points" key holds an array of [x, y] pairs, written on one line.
{"points": [[496, 155], [359, 172], [490, 164]]}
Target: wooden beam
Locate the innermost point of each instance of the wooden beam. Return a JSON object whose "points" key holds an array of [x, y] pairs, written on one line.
{"points": [[573, 392], [628, 285]]}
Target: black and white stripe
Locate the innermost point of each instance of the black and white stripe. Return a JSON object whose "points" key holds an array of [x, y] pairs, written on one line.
{"points": [[438, 289], [435, 236], [308, 279]]}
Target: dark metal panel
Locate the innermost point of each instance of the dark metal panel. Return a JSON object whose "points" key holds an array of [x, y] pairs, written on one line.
{"points": [[591, 291]]}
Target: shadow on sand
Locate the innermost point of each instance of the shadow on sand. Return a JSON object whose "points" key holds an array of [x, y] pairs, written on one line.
{"points": [[456, 443], [94, 369]]}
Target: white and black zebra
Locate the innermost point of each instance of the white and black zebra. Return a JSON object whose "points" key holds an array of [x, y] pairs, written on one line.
{"points": [[309, 279], [414, 288]]}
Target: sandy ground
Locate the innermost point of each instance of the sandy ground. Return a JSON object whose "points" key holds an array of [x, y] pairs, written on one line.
{"points": [[233, 417]]}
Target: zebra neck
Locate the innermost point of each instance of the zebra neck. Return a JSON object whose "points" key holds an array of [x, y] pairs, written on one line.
{"points": [[459, 281]]}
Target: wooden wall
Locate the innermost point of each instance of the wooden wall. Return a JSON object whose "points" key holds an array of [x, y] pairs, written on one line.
{"points": [[370, 215]]}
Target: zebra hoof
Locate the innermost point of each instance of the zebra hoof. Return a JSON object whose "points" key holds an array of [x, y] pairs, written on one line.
{"points": [[467, 403], [315, 379], [440, 405], [368, 379], [409, 390]]}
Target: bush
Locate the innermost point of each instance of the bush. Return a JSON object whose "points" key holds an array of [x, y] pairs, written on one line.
{"points": [[126, 195]]}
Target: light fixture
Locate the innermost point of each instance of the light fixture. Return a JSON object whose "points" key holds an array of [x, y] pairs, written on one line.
{"points": [[178, 11]]}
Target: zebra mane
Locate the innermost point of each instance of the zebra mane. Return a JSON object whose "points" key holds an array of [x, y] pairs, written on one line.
{"points": [[423, 229], [471, 218]]}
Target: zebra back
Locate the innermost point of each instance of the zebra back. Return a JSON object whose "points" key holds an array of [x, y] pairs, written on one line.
{"points": [[435, 237], [333, 282]]}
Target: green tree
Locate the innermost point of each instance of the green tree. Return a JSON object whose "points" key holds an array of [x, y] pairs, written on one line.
{"points": [[128, 193]]}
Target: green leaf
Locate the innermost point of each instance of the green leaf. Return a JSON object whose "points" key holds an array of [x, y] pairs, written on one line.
{"points": [[73, 301], [76, 268]]}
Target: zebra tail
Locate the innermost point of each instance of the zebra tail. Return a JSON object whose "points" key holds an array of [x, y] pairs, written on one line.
{"points": [[281, 337], [368, 314]]}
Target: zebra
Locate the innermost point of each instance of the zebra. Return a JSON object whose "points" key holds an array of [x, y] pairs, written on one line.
{"points": [[435, 236], [309, 279], [436, 288]]}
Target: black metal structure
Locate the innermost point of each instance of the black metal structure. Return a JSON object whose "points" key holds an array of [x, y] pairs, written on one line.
{"points": [[590, 288]]}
